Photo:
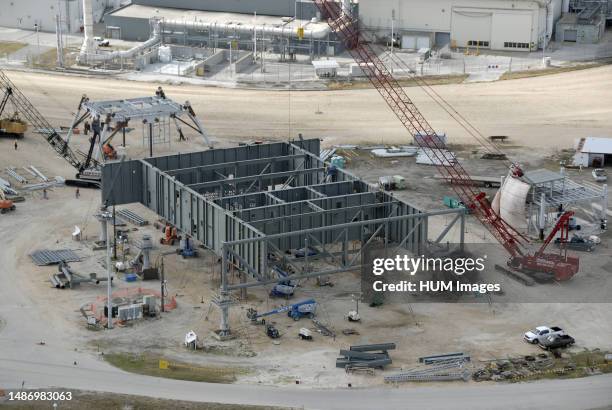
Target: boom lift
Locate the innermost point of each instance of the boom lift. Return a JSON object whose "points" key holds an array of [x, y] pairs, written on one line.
{"points": [[6, 205], [296, 311], [347, 29]]}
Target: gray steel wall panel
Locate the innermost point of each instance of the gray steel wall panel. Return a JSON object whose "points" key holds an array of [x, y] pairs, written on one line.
{"points": [[122, 182], [132, 29], [147, 182]]}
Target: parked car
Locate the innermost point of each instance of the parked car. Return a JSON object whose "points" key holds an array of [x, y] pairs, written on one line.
{"points": [[540, 332], [600, 175], [576, 243], [102, 42], [556, 342]]}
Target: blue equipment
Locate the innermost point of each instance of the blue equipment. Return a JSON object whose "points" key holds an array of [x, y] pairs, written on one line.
{"points": [[187, 250], [295, 311]]}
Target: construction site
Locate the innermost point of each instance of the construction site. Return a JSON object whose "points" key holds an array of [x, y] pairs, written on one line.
{"points": [[259, 240]]}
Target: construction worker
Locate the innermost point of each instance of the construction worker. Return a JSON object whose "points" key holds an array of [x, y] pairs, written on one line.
{"points": [[77, 193], [15, 145], [86, 128], [160, 93], [45, 194], [96, 127]]}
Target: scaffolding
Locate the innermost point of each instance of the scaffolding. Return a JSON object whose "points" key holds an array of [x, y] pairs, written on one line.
{"points": [[553, 192], [155, 114]]}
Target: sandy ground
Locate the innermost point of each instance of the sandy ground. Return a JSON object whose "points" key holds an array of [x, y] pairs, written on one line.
{"points": [[559, 108], [551, 111]]}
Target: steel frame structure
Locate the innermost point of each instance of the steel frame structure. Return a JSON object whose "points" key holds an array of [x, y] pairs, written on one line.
{"points": [[548, 197], [154, 113], [253, 205]]}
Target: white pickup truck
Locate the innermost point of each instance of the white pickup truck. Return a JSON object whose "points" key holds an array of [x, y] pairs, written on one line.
{"points": [[539, 333]]}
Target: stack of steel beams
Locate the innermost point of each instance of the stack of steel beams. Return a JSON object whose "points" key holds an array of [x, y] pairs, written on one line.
{"points": [[374, 356], [47, 257]]}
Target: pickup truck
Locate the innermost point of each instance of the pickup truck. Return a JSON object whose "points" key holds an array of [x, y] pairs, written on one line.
{"points": [[556, 342], [539, 333]]}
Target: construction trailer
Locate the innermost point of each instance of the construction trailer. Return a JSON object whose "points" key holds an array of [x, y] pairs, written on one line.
{"points": [[254, 205]]}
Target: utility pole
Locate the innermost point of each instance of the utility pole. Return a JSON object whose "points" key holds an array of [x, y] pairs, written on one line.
{"points": [[255, 37], [163, 285], [114, 234], [60, 46], [36, 26], [392, 30], [107, 216]]}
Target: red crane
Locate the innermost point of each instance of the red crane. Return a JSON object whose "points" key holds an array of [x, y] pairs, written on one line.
{"points": [[346, 28]]}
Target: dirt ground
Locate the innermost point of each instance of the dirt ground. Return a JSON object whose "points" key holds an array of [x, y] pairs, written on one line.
{"points": [[541, 115]]}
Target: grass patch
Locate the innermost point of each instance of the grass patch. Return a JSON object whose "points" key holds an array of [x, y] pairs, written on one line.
{"points": [[110, 401], [149, 365], [404, 82], [549, 71], [9, 47]]}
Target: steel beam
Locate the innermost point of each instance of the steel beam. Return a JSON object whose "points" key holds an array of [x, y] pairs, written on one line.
{"points": [[348, 225], [267, 176], [229, 164]]}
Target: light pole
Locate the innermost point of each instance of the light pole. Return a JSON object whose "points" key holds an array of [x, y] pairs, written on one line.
{"points": [[36, 27], [392, 30]]}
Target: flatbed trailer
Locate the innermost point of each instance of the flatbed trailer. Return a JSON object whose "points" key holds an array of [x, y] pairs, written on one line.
{"points": [[475, 180]]}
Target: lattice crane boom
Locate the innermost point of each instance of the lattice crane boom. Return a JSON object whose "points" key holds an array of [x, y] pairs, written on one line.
{"points": [[347, 29]]}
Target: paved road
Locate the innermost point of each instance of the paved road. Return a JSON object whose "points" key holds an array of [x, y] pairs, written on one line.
{"points": [[46, 368]]}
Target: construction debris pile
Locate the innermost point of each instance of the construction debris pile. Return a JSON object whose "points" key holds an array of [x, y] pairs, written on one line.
{"points": [[443, 367], [365, 356], [515, 368]]}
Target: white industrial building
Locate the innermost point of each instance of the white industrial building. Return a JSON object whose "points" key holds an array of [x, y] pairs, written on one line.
{"points": [[512, 25], [28, 14], [593, 152]]}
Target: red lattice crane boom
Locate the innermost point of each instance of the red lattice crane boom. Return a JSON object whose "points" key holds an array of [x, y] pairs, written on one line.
{"points": [[347, 29]]}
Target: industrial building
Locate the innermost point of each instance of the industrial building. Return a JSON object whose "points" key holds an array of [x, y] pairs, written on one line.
{"points": [[41, 14], [593, 152], [518, 25], [585, 27], [257, 25]]}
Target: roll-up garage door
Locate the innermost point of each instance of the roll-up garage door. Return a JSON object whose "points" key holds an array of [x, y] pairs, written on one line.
{"points": [[471, 25], [570, 35], [415, 41]]}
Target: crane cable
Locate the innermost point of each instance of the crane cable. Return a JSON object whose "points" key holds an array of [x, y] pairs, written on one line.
{"points": [[447, 107], [453, 113]]}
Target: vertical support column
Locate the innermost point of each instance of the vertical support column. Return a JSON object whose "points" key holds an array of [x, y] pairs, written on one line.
{"points": [[604, 207], [462, 233], [305, 269], [224, 329], [542, 216], [150, 139], [345, 248]]}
